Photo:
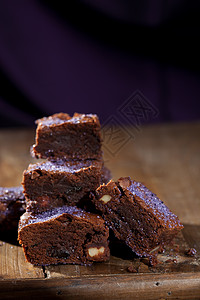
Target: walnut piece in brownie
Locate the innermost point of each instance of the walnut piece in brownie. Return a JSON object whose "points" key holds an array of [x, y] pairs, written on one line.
{"points": [[64, 235], [12, 206], [55, 183], [136, 215], [62, 136]]}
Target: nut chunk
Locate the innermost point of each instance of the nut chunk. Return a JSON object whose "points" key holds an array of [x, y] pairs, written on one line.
{"points": [[136, 215], [64, 235], [62, 136]]}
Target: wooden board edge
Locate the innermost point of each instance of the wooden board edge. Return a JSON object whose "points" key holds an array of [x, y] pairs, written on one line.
{"points": [[133, 286]]}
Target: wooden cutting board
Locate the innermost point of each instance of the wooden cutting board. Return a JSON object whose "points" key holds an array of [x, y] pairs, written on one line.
{"points": [[176, 276], [167, 159]]}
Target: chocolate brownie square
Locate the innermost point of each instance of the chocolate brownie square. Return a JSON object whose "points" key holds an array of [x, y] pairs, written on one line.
{"points": [[136, 215], [12, 206], [55, 183], [65, 235], [62, 136]]}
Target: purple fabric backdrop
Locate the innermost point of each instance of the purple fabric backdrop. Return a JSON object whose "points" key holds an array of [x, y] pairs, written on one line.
{"points": [[50, 64]]}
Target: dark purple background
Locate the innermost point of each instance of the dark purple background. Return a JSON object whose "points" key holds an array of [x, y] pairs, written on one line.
{"points": [[90, 56]]}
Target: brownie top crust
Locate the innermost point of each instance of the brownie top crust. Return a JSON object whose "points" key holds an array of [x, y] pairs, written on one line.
{"points": [[149, 201], [61, 118], [11, 193], [71, 137], [70, 166], [28, 218]]}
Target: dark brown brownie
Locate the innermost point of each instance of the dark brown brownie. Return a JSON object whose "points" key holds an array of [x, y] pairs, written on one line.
{"points": [[136, 215], [62, 136], [64, 235], [55, 183], [12, 206], [105, 175]]}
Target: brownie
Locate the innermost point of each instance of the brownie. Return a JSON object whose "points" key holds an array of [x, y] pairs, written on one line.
{"points": [[64, 235], [12, 206], [55, 183], [62, 136], [135, 215], [105, 175]]}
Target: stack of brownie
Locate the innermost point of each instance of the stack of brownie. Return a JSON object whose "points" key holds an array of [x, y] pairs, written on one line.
{"points": [[54, 229]]}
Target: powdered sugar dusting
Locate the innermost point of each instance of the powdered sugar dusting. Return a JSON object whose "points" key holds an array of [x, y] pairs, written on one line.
{"points": [[65, 118], [63, 166], [159, 209], [54, 213]]}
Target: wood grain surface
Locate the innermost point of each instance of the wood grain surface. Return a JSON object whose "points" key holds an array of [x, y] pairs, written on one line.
{"points": [[166, 158]]}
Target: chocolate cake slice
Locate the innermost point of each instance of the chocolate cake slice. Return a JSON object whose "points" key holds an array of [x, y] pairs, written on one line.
{"points": [[65, 235], [62, 136], [136, 215], [56, 183], [12, 206]]}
